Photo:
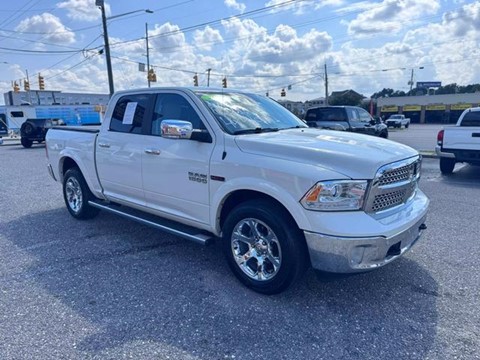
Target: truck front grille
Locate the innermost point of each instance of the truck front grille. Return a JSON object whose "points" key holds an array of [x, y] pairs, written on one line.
{"points": [[394, 185]]}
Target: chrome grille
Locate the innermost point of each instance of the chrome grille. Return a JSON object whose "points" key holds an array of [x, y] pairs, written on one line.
{"points": [[399, 174], [393, 185]]}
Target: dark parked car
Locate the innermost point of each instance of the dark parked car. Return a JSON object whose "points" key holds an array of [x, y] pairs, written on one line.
{"points": [[36, 129], [345, 118]]}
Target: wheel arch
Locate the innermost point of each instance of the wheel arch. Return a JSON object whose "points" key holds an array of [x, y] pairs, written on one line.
{"points": [[239, 196]]}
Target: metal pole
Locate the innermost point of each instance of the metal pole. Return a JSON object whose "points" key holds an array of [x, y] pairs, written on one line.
{"points": [[29, 96], [208, 77], [326, 85], [411, 83], [148, 55], [107, 50]]}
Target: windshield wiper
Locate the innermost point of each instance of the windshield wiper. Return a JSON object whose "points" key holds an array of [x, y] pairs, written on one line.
{"points": [[296, 127], [257, 130]]}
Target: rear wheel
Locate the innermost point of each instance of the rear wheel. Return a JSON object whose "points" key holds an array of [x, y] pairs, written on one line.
{"points": [[264, 247], [447, 165], [407, 125], [384, 134], [77, 195], [26, 143]]}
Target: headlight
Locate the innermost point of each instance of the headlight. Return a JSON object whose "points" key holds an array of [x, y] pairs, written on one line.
{"points": [[339, 195]]}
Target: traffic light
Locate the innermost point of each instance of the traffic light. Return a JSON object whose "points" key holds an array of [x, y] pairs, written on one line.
{"points": [[224, 82], [283, 92], [195, 80], [16, 88], [26, 85], [152, 76], [41, 82]]}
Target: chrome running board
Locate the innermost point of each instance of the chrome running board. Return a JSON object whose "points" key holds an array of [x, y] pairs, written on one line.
{"points": [[169, 226]]}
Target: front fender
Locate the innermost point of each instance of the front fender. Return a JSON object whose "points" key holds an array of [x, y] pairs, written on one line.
{"points": [[280, 194]]}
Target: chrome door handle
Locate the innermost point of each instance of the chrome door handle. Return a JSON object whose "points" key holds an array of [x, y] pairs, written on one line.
{"points": [[152, 151], [103, 145]]}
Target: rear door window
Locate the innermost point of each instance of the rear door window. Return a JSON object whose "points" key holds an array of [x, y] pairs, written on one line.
{"points": [[129, 113]]}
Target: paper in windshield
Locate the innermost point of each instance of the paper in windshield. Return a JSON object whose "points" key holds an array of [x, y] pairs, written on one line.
{"points": [[129, 113]]}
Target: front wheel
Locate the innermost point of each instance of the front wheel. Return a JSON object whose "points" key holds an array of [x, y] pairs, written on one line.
{"points": [[77, 195], [447, 165], [264, 247]]}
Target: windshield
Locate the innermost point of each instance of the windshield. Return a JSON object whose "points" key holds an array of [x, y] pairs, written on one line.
{"points": [[245, 113], [395, 117]]}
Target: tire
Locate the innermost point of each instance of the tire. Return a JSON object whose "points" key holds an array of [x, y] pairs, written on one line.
{"points": [[384, 134], [266, 232], [27, 128], [407, 125], [447, 165], [77, 194], [26, 143]]}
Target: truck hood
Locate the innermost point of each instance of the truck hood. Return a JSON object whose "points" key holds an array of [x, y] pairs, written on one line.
{"points": [[353, 155]]}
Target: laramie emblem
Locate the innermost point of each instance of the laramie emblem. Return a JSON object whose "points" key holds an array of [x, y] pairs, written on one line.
{"points": [[200, 178]]}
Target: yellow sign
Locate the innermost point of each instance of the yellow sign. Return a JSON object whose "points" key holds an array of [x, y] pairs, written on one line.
{"points": [[436, 107], [412, 107], [389, 108], [460, 106]]}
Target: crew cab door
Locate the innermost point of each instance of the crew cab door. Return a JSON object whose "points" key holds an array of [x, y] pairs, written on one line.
{"points": [[360, 121], [176, 172], [119, 150]]}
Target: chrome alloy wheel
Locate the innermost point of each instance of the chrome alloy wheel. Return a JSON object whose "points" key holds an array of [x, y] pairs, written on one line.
{"points": [[74, 194], [256, 249]]}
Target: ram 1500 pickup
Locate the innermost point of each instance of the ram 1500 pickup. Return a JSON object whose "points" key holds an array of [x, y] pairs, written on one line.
{"points": [[460, 143], [206, 164]]}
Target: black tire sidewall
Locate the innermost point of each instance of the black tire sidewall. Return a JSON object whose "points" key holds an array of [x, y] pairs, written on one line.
{"points": [[86, 211], [26, 143], [447, 165], [288, 235]]}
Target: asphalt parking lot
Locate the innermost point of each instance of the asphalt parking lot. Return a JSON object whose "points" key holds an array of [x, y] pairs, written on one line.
{"points": [[109, 288]]}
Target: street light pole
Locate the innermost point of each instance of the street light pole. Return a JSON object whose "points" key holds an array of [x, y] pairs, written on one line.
{"points": [[101, 5], [148, 54]]}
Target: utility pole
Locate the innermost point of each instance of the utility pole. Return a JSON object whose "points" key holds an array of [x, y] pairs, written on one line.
{"points": [[326, 85], [208, 77], [148, 54], [101, 5], [29, 96], [411, 82]]}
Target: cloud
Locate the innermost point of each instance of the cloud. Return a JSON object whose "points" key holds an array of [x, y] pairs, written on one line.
{"points": [[391, 16], [235, 5], [300, 7], [204, 39], [49, 27], [83, 10]]}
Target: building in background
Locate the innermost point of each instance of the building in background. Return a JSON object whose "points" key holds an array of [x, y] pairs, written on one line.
{"points": [[425, 109], [49, 97]]}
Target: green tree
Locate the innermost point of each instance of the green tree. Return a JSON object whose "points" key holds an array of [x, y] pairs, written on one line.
{"points": [[346, 98]]}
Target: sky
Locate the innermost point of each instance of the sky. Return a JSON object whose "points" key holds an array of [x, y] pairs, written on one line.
{"points": [[261, 46]]}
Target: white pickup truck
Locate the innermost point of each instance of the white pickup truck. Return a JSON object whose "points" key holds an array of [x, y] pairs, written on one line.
{"points": [[397, 121], [206, 164], [460, 143]]}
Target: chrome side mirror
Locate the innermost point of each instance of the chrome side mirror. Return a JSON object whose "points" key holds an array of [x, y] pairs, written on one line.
{"points": [[176, 129]]}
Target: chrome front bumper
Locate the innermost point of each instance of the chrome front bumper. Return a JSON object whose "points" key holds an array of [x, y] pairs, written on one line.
{"points": [[349, 255]]}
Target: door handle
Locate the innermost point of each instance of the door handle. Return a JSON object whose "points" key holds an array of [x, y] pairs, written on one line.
{"points": [[103, 145], [152, 151]]}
